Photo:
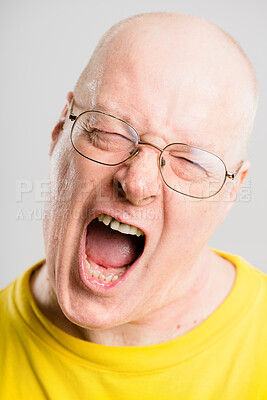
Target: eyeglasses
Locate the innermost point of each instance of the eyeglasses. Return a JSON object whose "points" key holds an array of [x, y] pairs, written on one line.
{"points": [[108, 140]]}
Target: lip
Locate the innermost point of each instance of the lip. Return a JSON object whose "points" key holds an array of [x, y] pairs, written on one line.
{"points": [[95, 284]]}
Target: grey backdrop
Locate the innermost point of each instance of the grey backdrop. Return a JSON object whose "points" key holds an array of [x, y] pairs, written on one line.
{"points": [[44, 46]]}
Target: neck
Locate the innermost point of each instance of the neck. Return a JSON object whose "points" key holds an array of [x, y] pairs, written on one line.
{"points": [[200, 295]]}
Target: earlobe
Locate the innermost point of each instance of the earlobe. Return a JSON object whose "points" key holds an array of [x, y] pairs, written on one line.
{"points": [[239, 180], [244, 171], [56, 132], [58, 129]]}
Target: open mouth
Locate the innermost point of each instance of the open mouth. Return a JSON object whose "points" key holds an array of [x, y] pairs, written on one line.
{"points": [[111, 248]]}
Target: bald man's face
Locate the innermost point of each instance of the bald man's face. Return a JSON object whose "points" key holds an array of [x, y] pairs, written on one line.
{"points": [[168, 98]]}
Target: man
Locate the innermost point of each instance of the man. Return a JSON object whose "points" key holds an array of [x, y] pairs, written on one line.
{"points": [[146, 162]]}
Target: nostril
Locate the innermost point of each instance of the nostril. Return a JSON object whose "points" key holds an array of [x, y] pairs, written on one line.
{"points": [[119, 189], [119, 186]]}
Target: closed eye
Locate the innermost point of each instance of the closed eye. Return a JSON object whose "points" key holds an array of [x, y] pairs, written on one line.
{"points": [[107, 141], [193, 163], [187, 169]]}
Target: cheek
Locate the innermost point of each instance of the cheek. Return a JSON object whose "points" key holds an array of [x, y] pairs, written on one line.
{"points": [[191, 222], [73, 177], [74, 183]]}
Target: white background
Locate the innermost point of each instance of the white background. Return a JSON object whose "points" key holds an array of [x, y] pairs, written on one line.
{"points": [[44, 47]]}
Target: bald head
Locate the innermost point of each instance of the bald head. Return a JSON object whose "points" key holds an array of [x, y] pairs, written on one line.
{"points": [[171, 55]]}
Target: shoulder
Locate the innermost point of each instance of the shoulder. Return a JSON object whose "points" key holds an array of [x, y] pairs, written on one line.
{"points": [[15, 298], [250, 287], [243, 267], [6, 298]]}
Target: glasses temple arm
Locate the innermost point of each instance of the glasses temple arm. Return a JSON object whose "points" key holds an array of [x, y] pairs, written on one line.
{"points": [[232, 175], [71, 116]]}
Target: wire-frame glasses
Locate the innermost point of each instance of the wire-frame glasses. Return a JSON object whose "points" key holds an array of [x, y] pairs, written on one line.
{"points": [[108, 140]]}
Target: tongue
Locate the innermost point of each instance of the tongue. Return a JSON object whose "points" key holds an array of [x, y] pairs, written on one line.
{"points": [[110, 248]]}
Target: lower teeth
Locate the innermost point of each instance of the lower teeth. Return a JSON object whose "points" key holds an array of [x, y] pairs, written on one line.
{"points": [[101, 277]]}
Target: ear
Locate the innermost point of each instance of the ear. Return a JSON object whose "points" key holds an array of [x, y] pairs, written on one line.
{"points": [[239, 180], [56, 132]]}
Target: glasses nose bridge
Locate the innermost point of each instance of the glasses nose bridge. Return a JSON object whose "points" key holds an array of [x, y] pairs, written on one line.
{"points": [[152, 145], [161, 161], [134, 153]]}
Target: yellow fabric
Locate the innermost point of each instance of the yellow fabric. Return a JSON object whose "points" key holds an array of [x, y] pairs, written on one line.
{"points": [[225, 357]]}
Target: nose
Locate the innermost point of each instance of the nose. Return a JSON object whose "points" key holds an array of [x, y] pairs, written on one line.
{"points": [[138, 179]]}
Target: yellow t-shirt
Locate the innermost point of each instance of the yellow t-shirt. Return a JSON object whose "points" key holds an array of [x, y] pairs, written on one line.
{"points": [[224, 358]]}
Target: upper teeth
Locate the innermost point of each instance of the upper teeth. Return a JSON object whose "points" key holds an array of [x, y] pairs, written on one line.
{"points": [[119, 226]]}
